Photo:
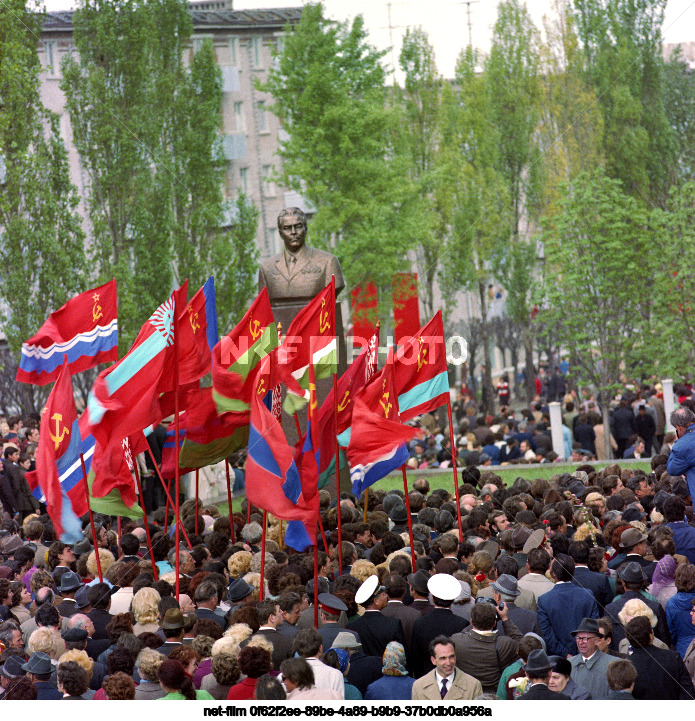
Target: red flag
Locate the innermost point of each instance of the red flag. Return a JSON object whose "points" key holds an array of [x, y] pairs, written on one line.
{"points": [[125, 397], [197, 327], [84, 330], [420, 374], [406, 309], [59, 448]]}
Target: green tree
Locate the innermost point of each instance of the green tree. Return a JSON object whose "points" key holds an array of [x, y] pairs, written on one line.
{"points": [[473, 194], [146, 128], [598, 256], [41, 237], [328, 90], [679, 103]]}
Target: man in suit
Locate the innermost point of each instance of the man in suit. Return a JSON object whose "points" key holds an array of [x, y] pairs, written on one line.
{"points": [[633, 578], [396, 588], [441, 622], [535, 581], [561, 610], [173, 625], [634, 544], [509, 565], [445, 682], [590, 665], [39, 670], [330, 608], [270, 617], [291, 606], [373, 628], [505, 590], [99, 596], [206, 601], [661, 674], [69, 585], [592, 581], [538, 670], [418, 590]]}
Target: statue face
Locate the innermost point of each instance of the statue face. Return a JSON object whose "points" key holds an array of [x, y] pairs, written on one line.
{"points": [[292, 232]]}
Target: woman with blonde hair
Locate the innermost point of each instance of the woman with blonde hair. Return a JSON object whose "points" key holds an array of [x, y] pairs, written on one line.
{"points": [[254, 580], [633, 608], [145, 608], [479, 568], [82, 659], [362, 570], [44, 639], [147, 664], [239, 563], [105, 558]]}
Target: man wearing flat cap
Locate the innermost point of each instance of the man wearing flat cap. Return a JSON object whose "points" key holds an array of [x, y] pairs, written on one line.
{"points": [[590, 665], [441, 622], [373, 628], [173, 625], [537, 671], [634, 544]]}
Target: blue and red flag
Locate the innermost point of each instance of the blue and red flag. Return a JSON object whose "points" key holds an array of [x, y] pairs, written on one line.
{"points": [[58, 451], [84, 331], [377, 440], [420, 374], [273, 480]]}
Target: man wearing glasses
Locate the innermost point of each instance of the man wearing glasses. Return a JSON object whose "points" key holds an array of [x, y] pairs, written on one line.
{"points": [[590, 665]]}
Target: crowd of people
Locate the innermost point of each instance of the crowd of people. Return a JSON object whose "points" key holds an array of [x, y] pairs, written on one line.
{"points": [[581, 586]]}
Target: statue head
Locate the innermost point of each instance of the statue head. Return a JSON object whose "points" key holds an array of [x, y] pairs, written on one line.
{"points": [[292, 227]]}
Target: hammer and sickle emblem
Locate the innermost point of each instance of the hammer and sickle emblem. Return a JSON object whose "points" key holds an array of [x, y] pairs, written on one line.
{"points": [[60, 432], [261, 387], [345, 402], [421, 356], [384, 402], [254, 328], [193, 319], [96, 310], [324, 321]]}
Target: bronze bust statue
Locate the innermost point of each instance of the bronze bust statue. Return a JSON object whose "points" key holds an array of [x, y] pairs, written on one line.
{"points": [[300, 272]]}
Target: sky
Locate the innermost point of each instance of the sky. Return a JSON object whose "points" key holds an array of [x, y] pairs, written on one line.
{"points": [[445, 21]]}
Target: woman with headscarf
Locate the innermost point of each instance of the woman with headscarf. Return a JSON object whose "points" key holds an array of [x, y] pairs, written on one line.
{"points": [[394, 684], [560, 680], [663, 584], [339, 658]]}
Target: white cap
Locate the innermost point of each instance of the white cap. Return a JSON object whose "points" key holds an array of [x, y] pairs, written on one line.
{"points": [[367, 590], [444, 586]]}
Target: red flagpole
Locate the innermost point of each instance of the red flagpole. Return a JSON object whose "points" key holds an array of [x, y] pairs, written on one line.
{"points": [[316, 585], [147, 525], [410, 519], [337, 473], [452, 447], [197, 471], [229, 497], [169, 500], [91, 518], [265, 526], [177, 428]]}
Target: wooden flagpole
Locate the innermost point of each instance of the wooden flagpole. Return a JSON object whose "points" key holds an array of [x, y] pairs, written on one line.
{"points": [[229, 496], [280, 533], [91, 519], [147, 525], [452, 448], [366, 503], [337, 474], [263, 537]]}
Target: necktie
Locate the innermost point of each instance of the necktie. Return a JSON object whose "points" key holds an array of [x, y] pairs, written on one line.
{"points": [[443, 687]]}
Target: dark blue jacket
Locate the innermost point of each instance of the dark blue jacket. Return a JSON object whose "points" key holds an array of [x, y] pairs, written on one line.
{"points": [[680, 625], [390, 688], [597, 583], [681, 459], [560, 611], [684, 538]]}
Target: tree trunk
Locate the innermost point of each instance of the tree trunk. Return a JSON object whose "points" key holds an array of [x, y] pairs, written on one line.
{"points": [[530, 369], [607, 449], [487, 380]]}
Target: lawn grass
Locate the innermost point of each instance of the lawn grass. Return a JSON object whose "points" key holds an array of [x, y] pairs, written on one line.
{"points": [[444, 478]]}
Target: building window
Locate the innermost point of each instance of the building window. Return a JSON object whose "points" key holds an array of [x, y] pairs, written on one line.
{"points": [[233, 49], [262, 119], [51, 57], [269, 190], [239, 117], [256, 41], [244, 180]]}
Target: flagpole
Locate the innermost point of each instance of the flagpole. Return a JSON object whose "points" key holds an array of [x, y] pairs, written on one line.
{"points": [[147, 525], [452, 449], [296, 422], [366, 503], [91, 518], [169, 500], [280, 533], [316, 583], [263, 537], [118, 526], [229, 497], [177, 430], [337, 473], [197, 471], [323, 533]]}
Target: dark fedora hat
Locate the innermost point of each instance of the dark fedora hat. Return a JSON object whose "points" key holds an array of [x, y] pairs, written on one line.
{"points": [[69, 582], [632, 573], [418, 581], [238, 590], [507, 585], [537, 663], [631, 537], [588, 625], [173, 619], [81, 598], [12, 668], [520, 535], [399, 514], [39, 663]]}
